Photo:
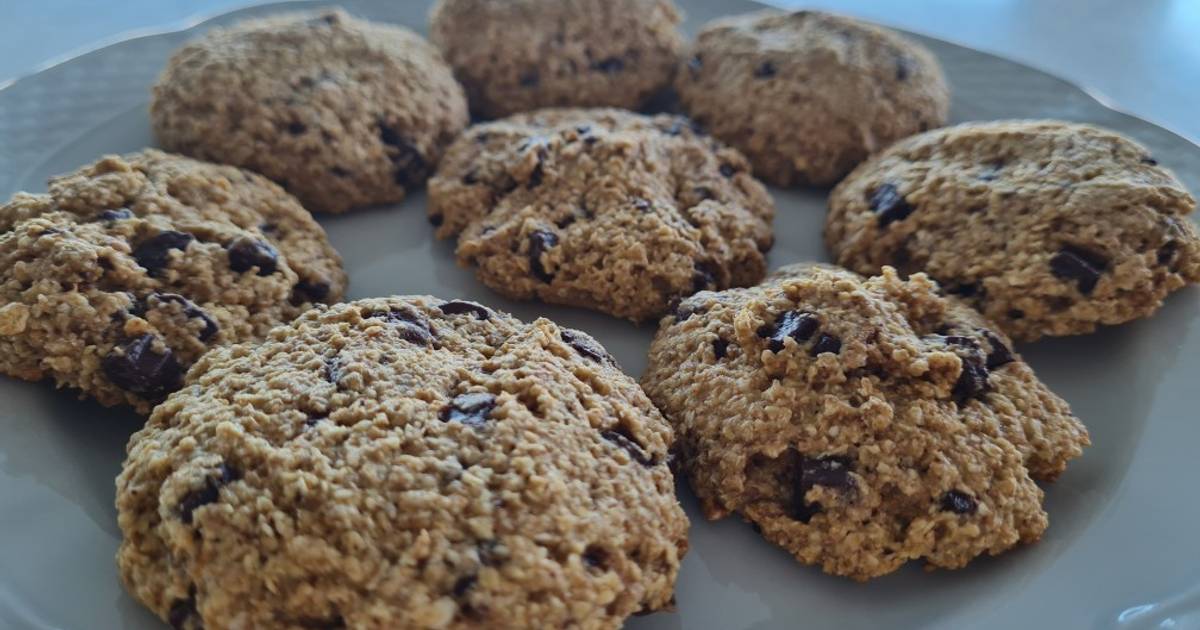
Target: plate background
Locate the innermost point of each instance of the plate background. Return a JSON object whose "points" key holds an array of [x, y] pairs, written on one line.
{"points": [[1124, 518]]}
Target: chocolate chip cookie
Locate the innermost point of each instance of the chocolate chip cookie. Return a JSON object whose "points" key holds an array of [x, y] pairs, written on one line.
{"points": [[1048, 228], [808, 95], [601, 208], [403, 463], [859, 423], [342, 112], [129, 269], [519, 55]]}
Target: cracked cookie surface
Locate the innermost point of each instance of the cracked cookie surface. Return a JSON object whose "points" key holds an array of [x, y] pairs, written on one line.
{"points": [[129, 269], [403, 462], [859, 423], [808, 95], [1046, 227], [520, 55], [341, 111], [601, 208]]}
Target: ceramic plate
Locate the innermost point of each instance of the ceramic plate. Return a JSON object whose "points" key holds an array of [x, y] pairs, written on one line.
{"points": [[1122, 551]]}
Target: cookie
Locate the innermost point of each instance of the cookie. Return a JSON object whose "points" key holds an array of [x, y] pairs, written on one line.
{"points": [[859, 423], [403, 462], [520, 55], [601, 208], [1048, 228], [342, 112], [808, 95], [129, 269]]}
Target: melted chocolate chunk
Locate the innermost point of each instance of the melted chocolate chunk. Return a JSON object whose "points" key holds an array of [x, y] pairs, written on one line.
{"points": [[296, 128], [246, 253], [727, 170], [641, 204], [826, 343], [584, 345], [595, 557], [459, 307], [832, 472], [889, 205], [141, 369], [182, 610], [540, 241], [155, 252], [972, 381], [1078, 264], [1167, 252], [470, 409], [720, 346], [624, 439], [210, 492], [192, 311], [704, 276], [958, 502], [411, 326], [799, 325], [1000, 354], [765, 70], [109, 216], [464, 584], [411, 166], [966, 289]]}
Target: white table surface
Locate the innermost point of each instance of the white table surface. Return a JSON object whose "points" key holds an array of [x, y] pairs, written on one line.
{"points": [[1141, 56]]}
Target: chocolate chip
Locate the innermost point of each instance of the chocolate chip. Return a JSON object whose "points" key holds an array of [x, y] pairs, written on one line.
{"points": [[182, 610], [154, 253], [529, 79], [1015, 313], [470, 178], [1167, 252], [624, 439], [459, 307], [595, 557], [972, 381], [889, 205], [958, 340], [704, 192], [470, 409], [115, 215], [246, 253], [609, 65], [832, 472], [311, 290], [765, 70], [991, 170], [192, 311], [727, 170], [1149, 160], [1078, 264], [799, 325], [141, 369], [958, 502], [410, 326], [1000, 353], [826, 343], [436, 220], [464, 584], [338, 171], [336, 622], [539, 242], [209, 493], [333, 369], [704, 276], [684, 312], [296, 128], [584, 345], [411, 167], [719, 347], [641, 204]]}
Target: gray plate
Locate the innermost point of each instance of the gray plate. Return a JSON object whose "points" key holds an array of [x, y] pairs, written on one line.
{"points": [[1121, 551]]}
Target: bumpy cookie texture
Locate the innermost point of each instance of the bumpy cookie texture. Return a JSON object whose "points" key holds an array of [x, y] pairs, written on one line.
{"points": [[1048, 228], [131, 268], [860, 423], [340, 111], [601, 208], [403, 463], [808, 95], [519, 55]]}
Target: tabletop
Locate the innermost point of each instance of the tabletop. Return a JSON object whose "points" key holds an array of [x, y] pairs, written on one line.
{"points": [[1140, 57]]}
